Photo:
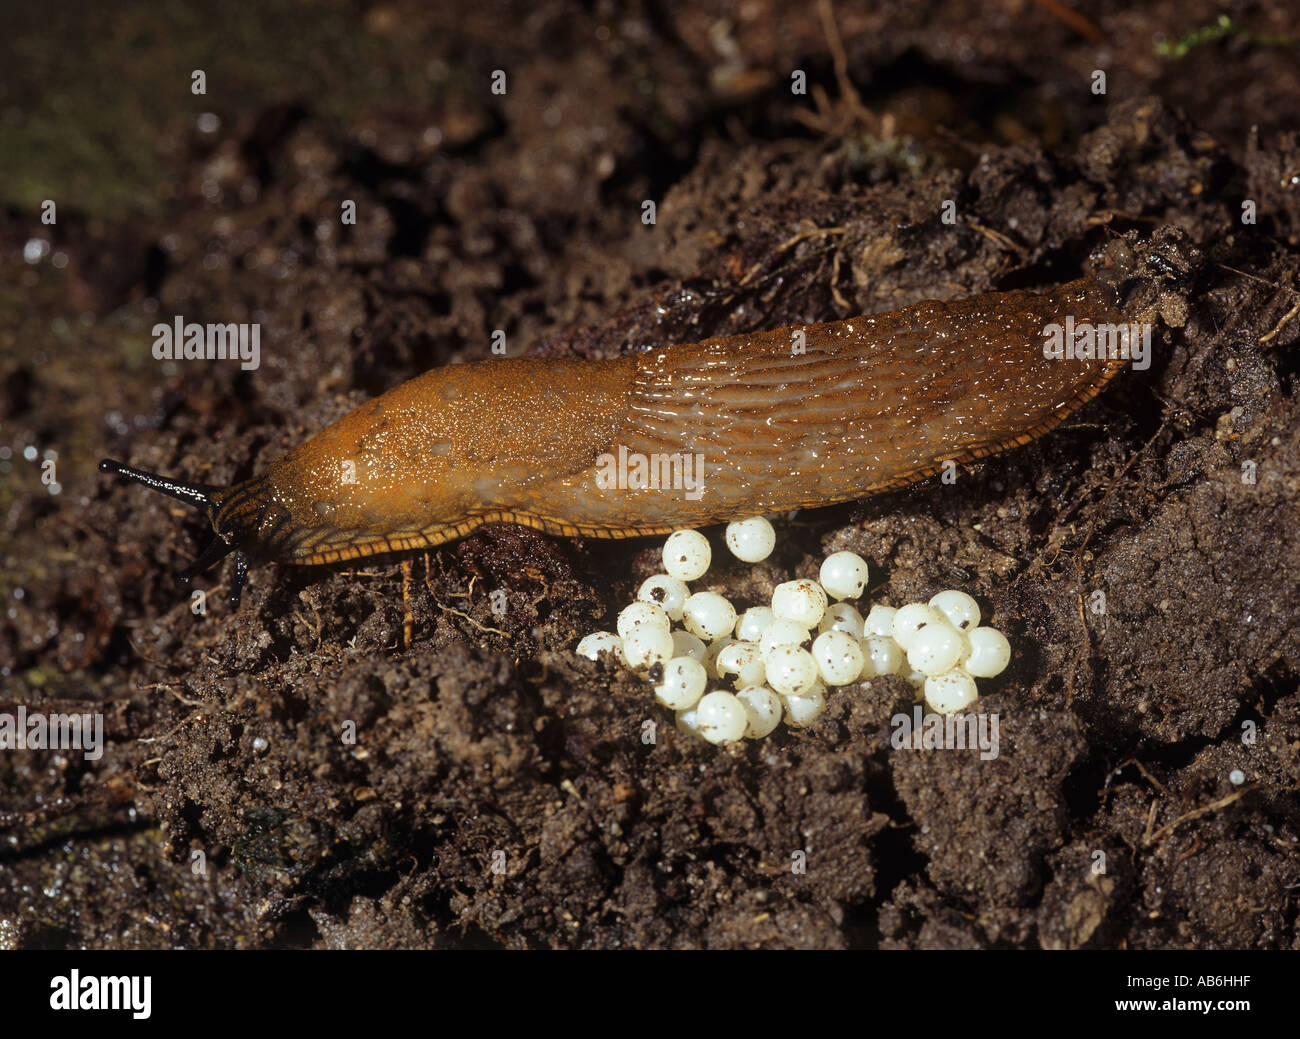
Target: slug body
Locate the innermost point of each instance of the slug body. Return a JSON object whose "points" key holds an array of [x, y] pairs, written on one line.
{"points": [[756, 423]]}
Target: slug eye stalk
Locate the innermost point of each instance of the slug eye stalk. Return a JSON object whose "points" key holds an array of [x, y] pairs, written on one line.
{"points": [[199, 496]]}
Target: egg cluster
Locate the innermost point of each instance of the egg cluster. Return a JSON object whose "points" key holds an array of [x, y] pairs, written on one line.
{"points": [[780, 659]]}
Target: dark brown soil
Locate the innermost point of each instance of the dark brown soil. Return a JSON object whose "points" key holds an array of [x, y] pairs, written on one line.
{"points": [[500, 790]]}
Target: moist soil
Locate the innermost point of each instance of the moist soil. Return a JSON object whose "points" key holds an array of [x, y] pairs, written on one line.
{"points": [[500, 791]]}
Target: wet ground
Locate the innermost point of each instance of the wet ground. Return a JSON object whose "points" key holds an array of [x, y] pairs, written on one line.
{"points": [[499, 791]]}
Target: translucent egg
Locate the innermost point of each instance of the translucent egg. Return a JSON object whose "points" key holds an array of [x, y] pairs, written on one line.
{"points": [[721, 717], [647, 647], [742, 662], [844, 575], [880, 621], [601, 642], [753, 622], [687, 555], [838, 657], [951, 691], [990, 652], [804, 709], [783, 633], [709, 616], [936, 648], [841, 616], [687, 645], [880, 656], [641, 616], [670, 593], [962, 612], [790, 670], [751, 540], [911, 619], [803, 602], [682, 684], [763, 709]]}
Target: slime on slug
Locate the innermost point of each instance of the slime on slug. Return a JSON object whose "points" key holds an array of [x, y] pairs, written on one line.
{"points": [[873, 403]]}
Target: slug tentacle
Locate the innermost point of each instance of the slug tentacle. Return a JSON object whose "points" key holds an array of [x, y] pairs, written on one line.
{"points": [[207, 499], [197, 494]]}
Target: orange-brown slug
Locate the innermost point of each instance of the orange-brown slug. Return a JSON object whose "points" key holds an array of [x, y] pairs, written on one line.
{"points": [[742, 425]]}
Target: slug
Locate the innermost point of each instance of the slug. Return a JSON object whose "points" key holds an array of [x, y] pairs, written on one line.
{"points": [[867, 404]]}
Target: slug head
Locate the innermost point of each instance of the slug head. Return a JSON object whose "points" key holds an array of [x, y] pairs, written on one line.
{"points": [[233, 518]]}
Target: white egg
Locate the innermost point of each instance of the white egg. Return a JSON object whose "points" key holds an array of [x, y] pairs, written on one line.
{"points": [[962, 612], [881, 656], [751, 540], [951, 691], [721, 717], [642, 616], [709, 615], [990, 652], [783, 633], [687, 645], [802, 601], [742, 662], [804, 709], [601, 642], [647, 647], [753, 622], [880, 621], [911, 619], [667, 592], [790, 670], [842, 616], [844, 575], [936, 648], [682, 684], [763, 708], [687, 555], [838, 657]]}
